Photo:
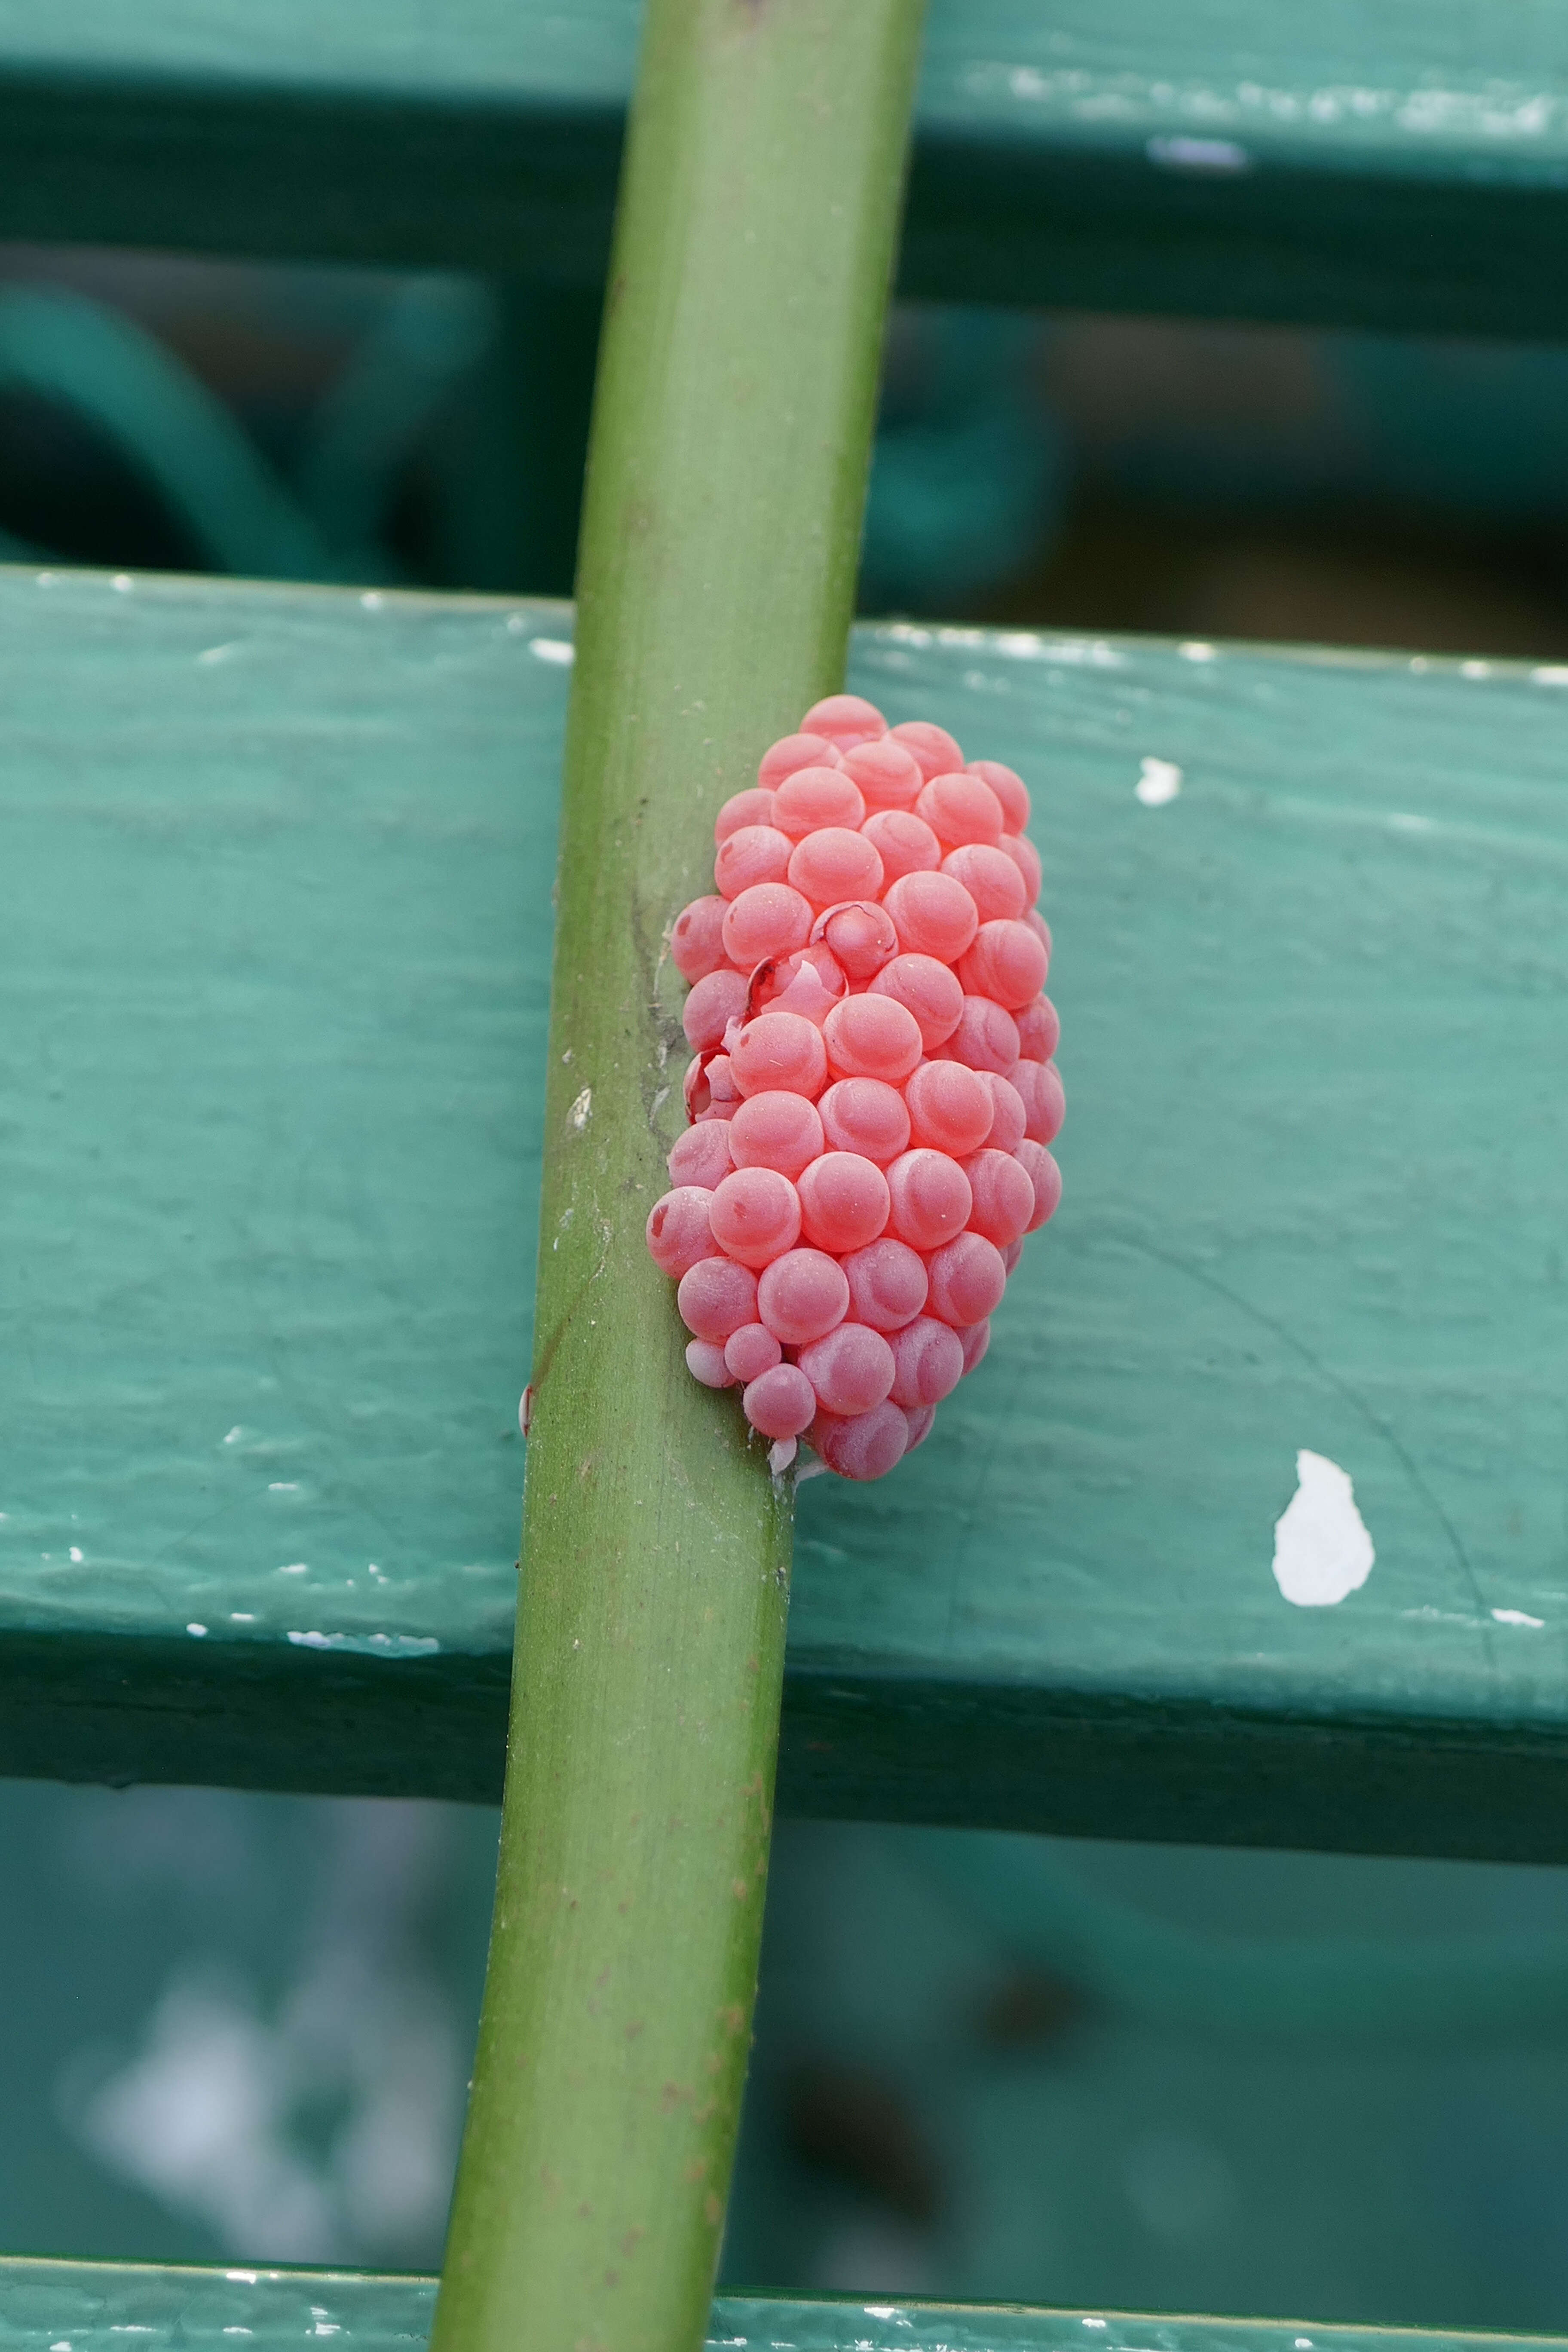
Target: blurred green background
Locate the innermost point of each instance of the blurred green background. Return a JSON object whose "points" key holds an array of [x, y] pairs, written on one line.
{"points": [[238, 2026]]}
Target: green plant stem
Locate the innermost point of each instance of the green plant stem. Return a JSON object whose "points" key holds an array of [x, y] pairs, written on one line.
{"points": [[730, 442]]}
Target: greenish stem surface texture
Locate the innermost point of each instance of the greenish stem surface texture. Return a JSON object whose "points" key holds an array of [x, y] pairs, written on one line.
{"points": [[730, 442]]}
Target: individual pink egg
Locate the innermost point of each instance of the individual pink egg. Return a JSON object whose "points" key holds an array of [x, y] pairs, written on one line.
{"points": [[1045, 1101], [859, 935], [904, 843], [1008, 1118], [832, 865], [866, 1447], [866, 1116], [697, 941], [934, 747], [921, 1420], [959, 808], [1040, 1030], [986, 1038], [751, 1351], [817, 796], [809, 982], [846, 719], [776, 1129], [1045, 1178], [851, 1369], [1003, 1198], [976, 1340], [802, 1295], [933, 915], [781, 1403], [791, 751], [928, 1363], [886, 1284], [678, 1229], [927, 989], [967, 1278], [782, 1053], [888, 776], [719, 998], [711, 1089], [706, 1363], [844, 1202], [991, 878], [752, 807], [1027, 858], [770, 919], [1007, 962], [950, 1108], [752, 853], [701, 1156], [755, 1215], [716, 1298], [1009, 788], [928, 1199], [872, 1037]]}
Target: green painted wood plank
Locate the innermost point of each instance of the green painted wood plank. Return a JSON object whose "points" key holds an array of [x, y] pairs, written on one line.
{"points": [[95, 2307], [1401, 164], [273, 957]]}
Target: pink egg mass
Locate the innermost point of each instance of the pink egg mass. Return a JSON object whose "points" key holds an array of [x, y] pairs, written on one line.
{"points": [[875, 1087]]}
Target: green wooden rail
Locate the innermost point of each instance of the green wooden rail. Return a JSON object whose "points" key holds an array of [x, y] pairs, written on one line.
{"points": [[100, 2306], [276, 945], [1397, 165]]}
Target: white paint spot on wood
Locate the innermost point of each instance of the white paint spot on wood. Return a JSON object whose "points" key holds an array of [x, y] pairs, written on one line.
{"points": [[578, 1116], [1322, 1552], [1195, 651], [1517, 1617], [199, 1631], [123, 584], [372, 600], [553, 649], [1550, 674], [371, 1646], [1186, 154], [1159, 781]]}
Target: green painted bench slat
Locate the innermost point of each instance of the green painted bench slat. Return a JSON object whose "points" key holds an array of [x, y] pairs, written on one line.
{"points": [[1403, 165], [274, 958], [98, 2306]]}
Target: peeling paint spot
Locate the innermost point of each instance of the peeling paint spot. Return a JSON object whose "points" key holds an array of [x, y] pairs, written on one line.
{"points": [[1517, 1617], [553, 649], [199, 1631], [1159, 781], [577, 1115], [1322, 1552], [371, 1646], [1185, 154]]}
